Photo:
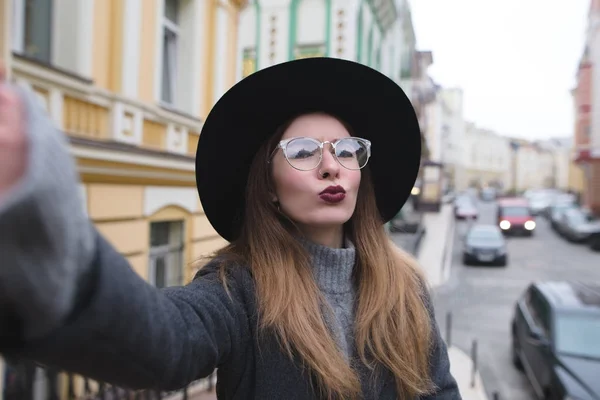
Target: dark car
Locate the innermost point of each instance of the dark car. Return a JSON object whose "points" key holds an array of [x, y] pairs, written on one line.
{"points": [[485, 244], [408, 220], [556, 339]]}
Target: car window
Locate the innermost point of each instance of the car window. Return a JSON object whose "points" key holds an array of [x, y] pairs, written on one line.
{"points": [[484, 234], [540, 310], [578, 335], [515, 211]]}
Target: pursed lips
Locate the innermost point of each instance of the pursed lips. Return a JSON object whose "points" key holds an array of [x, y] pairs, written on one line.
{"points": [[333, 190]]}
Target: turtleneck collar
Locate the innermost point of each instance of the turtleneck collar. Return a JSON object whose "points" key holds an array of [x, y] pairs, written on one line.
{"points": [[332, 267]]}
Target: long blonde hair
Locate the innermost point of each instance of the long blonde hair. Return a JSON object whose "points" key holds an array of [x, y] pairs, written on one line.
{"points": [[392, 326]]}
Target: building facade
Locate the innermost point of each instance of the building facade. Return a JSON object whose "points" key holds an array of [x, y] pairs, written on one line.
{"points": [[568, 176], [485, 159], [130, 82], [453, 136], [367, 31], [586, 96]]}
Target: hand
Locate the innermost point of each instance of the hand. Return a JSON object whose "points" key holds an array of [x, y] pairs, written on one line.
{"points": [[13, 141]]}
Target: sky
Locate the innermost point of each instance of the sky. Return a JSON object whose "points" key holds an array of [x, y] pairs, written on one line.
{"points": [[515, 60]]}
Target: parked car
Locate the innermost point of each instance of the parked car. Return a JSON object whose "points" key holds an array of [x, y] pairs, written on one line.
{"points": [[488, 194], [576, 225], [465, 208], [539, 202], [555, 213], [408, 220], [484, 244], [594, 241], [556, 339], [514, 216]]}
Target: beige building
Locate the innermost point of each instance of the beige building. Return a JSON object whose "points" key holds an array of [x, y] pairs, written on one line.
{"points": [[485, 158], [490, 159], [130, 82]]}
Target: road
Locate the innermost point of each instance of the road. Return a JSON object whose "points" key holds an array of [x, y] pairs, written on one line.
{"points": [[481, 299]]}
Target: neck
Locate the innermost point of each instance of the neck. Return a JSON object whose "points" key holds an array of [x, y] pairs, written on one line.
{"points": [[332, 267], [329, 237]]}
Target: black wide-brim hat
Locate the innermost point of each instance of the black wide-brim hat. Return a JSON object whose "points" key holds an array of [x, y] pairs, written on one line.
{"points": [[249, 113]]}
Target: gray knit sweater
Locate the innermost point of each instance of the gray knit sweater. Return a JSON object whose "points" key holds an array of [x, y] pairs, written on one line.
{"points": [[333, 271]]}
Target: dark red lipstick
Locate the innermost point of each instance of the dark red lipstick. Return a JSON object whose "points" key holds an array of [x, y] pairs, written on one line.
{"points": [[333, 194]]}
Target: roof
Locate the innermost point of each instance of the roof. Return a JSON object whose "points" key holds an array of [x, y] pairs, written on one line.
{"points": [[571, 294]]}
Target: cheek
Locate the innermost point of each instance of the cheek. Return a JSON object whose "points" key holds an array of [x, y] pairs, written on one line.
{"points": [[289, 182], [354, 180]]}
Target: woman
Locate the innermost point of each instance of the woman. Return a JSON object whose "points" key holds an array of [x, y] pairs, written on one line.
{"points": [[310, 299]]}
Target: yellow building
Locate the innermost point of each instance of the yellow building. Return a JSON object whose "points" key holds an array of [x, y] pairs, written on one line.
{"points": [[130, 82]]}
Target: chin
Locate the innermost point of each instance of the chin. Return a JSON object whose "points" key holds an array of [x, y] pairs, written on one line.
{"points": [[327, 218]]}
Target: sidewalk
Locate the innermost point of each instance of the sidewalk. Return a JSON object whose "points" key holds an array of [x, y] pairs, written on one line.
{"points": [[435, 257], [435, 250], [461, 368]]}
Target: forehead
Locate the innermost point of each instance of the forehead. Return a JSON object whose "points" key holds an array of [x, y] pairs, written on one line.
{"points": [[318, 126]]}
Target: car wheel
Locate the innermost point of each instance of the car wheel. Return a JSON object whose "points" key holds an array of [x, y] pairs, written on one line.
{"points": [[466, 260], [503, 261]]}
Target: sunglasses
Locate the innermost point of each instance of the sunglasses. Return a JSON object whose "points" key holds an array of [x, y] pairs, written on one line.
{"points": [[305, 154]]}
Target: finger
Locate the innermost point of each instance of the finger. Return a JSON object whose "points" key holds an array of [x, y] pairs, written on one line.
{"points": [[10, 107]]}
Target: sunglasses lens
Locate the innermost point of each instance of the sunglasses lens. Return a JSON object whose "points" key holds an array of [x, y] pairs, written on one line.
{"points": [[303, 154], [352, 153]]}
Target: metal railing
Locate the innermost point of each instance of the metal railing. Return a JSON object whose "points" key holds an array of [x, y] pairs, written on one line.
{"points": [[28, 381]]}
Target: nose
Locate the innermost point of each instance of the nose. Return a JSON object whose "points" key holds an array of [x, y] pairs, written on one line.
{"points": [[329, 166]]}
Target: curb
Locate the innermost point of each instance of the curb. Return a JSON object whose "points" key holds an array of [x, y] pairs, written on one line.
{"points": [[448, 251], [445, 264], [470, 385]]}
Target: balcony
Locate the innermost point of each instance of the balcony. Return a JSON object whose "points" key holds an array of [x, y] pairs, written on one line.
{"points": [[86, 112]]}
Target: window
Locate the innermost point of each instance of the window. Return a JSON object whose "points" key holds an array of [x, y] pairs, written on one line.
{"points": [[166, 253], [308, 51], [170, 39], [249, 63], [32, 35]]}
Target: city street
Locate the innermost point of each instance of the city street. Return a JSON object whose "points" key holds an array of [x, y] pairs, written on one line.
{"points": [[482, 298]]}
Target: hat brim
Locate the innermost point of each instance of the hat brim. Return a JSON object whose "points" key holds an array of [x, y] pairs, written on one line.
{"points": [[247, 115]]}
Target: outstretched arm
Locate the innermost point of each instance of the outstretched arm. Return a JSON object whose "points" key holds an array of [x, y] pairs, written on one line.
{"points": [[68, 299]]}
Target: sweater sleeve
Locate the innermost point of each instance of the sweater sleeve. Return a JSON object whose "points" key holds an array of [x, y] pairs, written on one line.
{"points": [[126, 332], [46, 241]]}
